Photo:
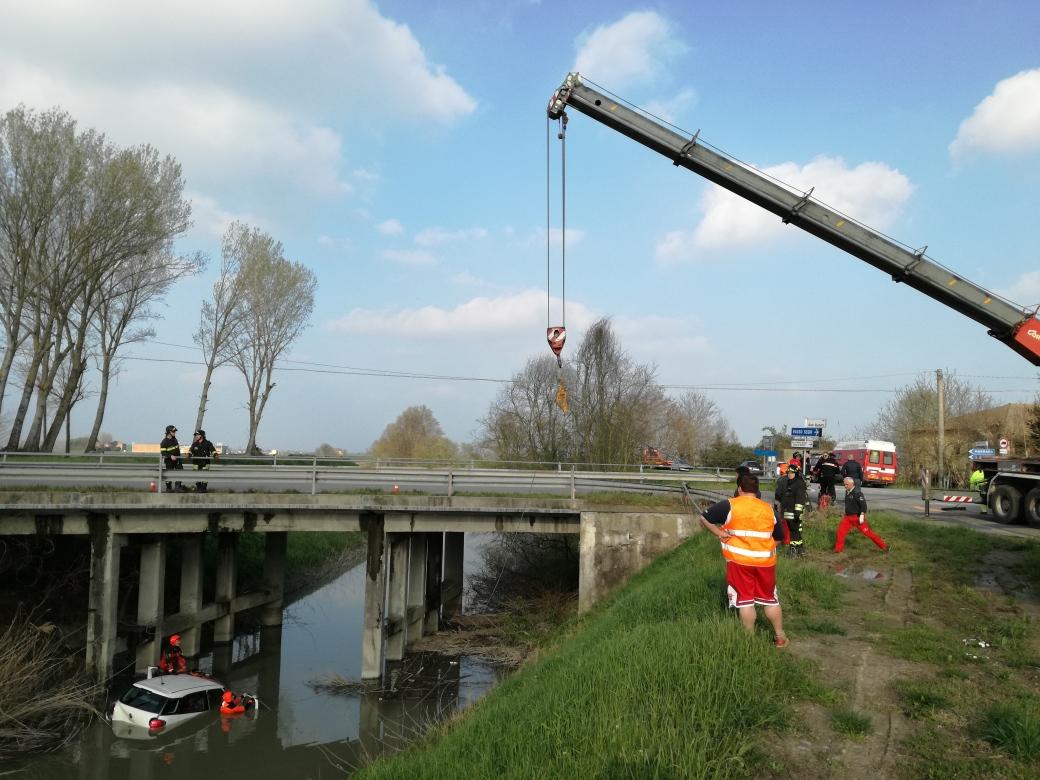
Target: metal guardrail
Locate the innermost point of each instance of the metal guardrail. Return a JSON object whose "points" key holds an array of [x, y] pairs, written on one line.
{"points": [[314, 478]]}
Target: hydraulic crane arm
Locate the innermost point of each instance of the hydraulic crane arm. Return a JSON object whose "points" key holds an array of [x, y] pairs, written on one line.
{"points": [[1018, 328]]}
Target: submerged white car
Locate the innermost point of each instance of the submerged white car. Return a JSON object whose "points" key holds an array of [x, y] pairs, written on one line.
{"points": [[162, 703]]}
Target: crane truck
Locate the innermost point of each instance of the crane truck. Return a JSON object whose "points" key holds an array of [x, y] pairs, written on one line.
{"points": [[1013, 485]]}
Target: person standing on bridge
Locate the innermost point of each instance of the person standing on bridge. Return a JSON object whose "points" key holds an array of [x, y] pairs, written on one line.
{"points": [[171, 455], [200, 452], [855, 517], [747, 529]]}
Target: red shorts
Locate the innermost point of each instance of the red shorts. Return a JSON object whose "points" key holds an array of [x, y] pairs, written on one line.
{"points": [[748, 585]]}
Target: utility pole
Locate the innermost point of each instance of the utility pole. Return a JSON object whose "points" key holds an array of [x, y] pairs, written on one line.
{"points": [[942, 422]]}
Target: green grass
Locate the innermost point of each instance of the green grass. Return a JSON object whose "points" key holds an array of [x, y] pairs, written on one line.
{"points": [[654, 683], [921, 698], [1014, 727], [851, 723]]}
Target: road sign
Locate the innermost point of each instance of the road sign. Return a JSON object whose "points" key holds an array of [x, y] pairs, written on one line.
{"points": [[981, 452], [801, 444], [766, 453], [982, 444], [1003, 444], [815, 423], [806, 433]]}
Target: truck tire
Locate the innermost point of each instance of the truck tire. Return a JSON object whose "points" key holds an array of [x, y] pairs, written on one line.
{"points": [[1031, 507], [1005, 503]]}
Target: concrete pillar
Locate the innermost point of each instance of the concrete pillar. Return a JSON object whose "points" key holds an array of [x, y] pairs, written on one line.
{"points": [[274, 576], [191, 590], [451, 589], [434, 560], [103, 597], [222, 655], [150, 594], [227, 579], [375, 593], [396, 600], [416, 600]]}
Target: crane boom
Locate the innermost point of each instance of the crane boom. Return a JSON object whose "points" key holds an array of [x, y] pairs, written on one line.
{"points": [[1018, 328]]}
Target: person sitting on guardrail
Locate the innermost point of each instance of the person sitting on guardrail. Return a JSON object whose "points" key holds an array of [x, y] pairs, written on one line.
{"points": [[200, 452]]}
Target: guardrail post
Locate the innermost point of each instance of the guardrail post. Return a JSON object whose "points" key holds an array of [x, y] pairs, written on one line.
{"points": [[572, 482], [159, 484], [451, 483], [314, 478]]}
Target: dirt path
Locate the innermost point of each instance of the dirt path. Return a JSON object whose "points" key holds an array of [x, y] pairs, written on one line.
{"points": [[875, 598]]}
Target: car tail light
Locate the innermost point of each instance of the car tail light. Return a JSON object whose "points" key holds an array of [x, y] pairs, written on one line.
{"points": [[155, 724]]}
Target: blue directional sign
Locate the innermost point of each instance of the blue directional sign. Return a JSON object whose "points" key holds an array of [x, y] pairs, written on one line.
{"points": [[807, 433], [766, 453], [981, 452]]}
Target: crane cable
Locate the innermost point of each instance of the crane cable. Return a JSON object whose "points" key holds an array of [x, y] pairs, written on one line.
{"points": [[556, 335]]}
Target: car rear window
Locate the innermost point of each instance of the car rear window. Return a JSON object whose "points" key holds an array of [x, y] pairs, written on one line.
{"points": [[145, 700], [888, 458]]}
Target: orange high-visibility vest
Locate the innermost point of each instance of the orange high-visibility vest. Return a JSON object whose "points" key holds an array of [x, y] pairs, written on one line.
{"points": [[750, 525]]}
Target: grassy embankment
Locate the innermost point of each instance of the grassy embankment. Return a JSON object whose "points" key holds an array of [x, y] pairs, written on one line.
{"points": [[658, 682]]}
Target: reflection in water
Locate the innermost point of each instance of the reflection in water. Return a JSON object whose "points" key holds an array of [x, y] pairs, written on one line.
{"points": [[299, 733]]}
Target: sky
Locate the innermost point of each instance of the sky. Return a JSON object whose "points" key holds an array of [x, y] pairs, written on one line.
{"points": [[398, 149]]}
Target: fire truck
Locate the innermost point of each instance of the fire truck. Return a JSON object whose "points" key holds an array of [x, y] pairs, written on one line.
{"points": [[1016, 327]]}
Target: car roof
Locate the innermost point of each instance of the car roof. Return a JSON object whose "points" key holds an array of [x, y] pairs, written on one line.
{"points": [[176, 685]]}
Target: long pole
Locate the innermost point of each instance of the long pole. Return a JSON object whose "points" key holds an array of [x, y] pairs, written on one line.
{"points": [[942, 422]]}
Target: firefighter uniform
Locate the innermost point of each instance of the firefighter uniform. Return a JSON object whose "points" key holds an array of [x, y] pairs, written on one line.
{"points": [[170, 449], [792, 503], [201, 451]]}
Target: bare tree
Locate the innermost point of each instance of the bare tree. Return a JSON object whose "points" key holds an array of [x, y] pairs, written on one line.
{"points": [[524, 422], [123, 304], [114, 210], [690, 423], [615, 403], [278, 298], [414, 434], [221, 317]]}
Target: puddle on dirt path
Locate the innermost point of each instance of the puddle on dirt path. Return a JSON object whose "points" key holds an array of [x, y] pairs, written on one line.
{"points": [[873, 575]]}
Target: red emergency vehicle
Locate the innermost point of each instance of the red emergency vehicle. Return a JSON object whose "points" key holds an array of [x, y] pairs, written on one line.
{"points": [[878, 459]]}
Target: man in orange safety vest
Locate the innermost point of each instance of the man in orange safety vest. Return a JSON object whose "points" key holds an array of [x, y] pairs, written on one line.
{"points": [[747, 529]]}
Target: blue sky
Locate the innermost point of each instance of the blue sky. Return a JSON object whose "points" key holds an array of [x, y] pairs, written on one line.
{"points": [[398, 149]]}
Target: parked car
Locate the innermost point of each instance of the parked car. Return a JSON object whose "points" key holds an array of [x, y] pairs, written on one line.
{"points": [[752, 466], [164, 702]]}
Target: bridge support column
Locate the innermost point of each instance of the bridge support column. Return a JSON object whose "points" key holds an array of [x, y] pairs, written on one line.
{"points": [[227, 579], [150, 593], [416, 601], [451, 590], [397, 596], [434, 562], [191, 590], [103, 597], [375, 593], [275, 545]]}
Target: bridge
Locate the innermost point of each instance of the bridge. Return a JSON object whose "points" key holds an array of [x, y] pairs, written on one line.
{"points": [[414, 560]]}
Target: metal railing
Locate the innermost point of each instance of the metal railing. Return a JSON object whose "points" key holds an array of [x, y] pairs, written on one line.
{"points": [[312, 476]]}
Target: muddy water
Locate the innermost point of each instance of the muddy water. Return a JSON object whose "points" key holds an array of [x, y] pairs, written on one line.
{"points": [[299, 733]]}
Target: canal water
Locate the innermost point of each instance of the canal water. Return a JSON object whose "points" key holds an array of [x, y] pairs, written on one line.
{"points": [[299, 732]]}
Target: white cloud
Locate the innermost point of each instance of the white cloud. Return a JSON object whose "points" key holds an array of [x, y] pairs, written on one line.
{"points": [[436, 236], [211, 220], [670, 109], [390, 227], [239, 91], [412, 257], [521, 312], [633, 50], [1005, 122], [872, 193], [1025, 290], [520, 318]]}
